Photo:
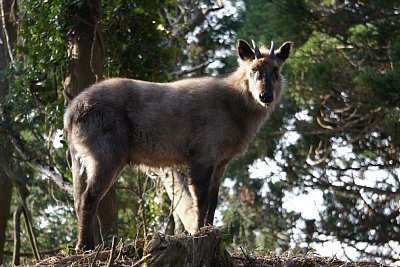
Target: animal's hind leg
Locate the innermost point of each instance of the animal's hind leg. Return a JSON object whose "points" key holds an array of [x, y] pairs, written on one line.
{"points": [[101, 176], [79, 179]]}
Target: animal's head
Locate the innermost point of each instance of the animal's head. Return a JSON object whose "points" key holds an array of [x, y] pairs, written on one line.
{"points": [[263, 69]]}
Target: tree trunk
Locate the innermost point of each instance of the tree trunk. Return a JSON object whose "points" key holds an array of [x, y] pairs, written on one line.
{"points": [[7, 37], [5, 200], [181, 199], [17, 235], [86, 52]]}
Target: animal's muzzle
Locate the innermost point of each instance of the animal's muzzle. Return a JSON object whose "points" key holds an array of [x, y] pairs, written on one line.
{"points": [[266, 97]]}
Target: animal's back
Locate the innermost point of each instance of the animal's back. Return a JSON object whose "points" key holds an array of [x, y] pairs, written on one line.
{"points": [[158, 124]]}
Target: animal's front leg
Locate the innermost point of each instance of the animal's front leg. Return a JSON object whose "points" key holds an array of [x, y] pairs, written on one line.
{"points": [[213, 192], [200, 178]]}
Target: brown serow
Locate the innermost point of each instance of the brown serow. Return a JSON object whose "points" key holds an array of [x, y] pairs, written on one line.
{"points": [[201, 123]]}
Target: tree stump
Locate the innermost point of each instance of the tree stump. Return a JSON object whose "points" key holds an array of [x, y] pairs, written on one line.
{"points": [[204, 248]]}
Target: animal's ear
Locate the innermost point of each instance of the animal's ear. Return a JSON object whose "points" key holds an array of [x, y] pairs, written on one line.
{"points": [[284, 51], [244, 51]]}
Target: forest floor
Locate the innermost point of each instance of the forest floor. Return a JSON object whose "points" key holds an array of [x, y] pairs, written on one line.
{"points": [[102, 258], [203, 249]]}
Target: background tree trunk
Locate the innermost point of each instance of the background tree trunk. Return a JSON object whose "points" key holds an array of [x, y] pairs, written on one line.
{"points": [[86, 52], [7, 38], [181, 200], [5, 200]]}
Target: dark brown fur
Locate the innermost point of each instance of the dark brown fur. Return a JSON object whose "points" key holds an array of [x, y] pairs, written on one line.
{"points": [[202, 123]]}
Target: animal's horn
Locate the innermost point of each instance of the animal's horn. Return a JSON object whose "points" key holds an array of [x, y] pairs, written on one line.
{"points": [[256, 50], [272, 51]]}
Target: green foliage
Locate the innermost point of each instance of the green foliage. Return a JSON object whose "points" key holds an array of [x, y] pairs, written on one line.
{"points": [[34, 105], [391, 125], [268, 20], [385, 88], [134, 40], [68, 248], [33, 109]]}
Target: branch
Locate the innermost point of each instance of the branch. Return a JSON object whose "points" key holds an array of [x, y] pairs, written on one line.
{"points": [[29, 229], [356, 188], [3, 22], [191, 70], [190, 15], [17, 235], [212, 9], [387, 256], [62, 182], [374, 116]]}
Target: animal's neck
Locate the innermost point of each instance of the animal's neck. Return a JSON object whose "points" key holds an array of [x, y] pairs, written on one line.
{"points": [[239, 80], [248, 114]]}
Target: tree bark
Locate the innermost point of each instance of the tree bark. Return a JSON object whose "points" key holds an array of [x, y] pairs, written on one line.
{"points": [[5, 197], [17, 235], [7, 38], [86, 52], [203, 249], [181, 199]]}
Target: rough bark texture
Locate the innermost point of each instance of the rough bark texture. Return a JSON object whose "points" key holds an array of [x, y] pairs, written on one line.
{"points": [[5, 200], [202, 249], [86, 53], [7, 27]]}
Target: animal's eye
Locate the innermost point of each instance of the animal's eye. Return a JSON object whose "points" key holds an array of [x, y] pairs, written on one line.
{"points": [[255, 73]]}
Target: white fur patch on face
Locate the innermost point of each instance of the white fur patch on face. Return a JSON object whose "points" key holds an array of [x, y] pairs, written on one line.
{"points": [[253, 86]]}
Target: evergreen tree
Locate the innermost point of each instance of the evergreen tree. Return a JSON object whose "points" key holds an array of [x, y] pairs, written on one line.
{"points": [[342, 109]]}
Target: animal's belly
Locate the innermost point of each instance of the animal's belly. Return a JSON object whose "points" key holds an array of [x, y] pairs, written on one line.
{"points": [[158, 147], [158, 156], [157, 161]]}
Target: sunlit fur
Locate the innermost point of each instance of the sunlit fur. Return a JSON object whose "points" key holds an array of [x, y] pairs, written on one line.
{"points": [[201, 123]]}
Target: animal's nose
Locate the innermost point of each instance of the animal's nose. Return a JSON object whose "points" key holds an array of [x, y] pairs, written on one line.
{"points": [[266, 97]]}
